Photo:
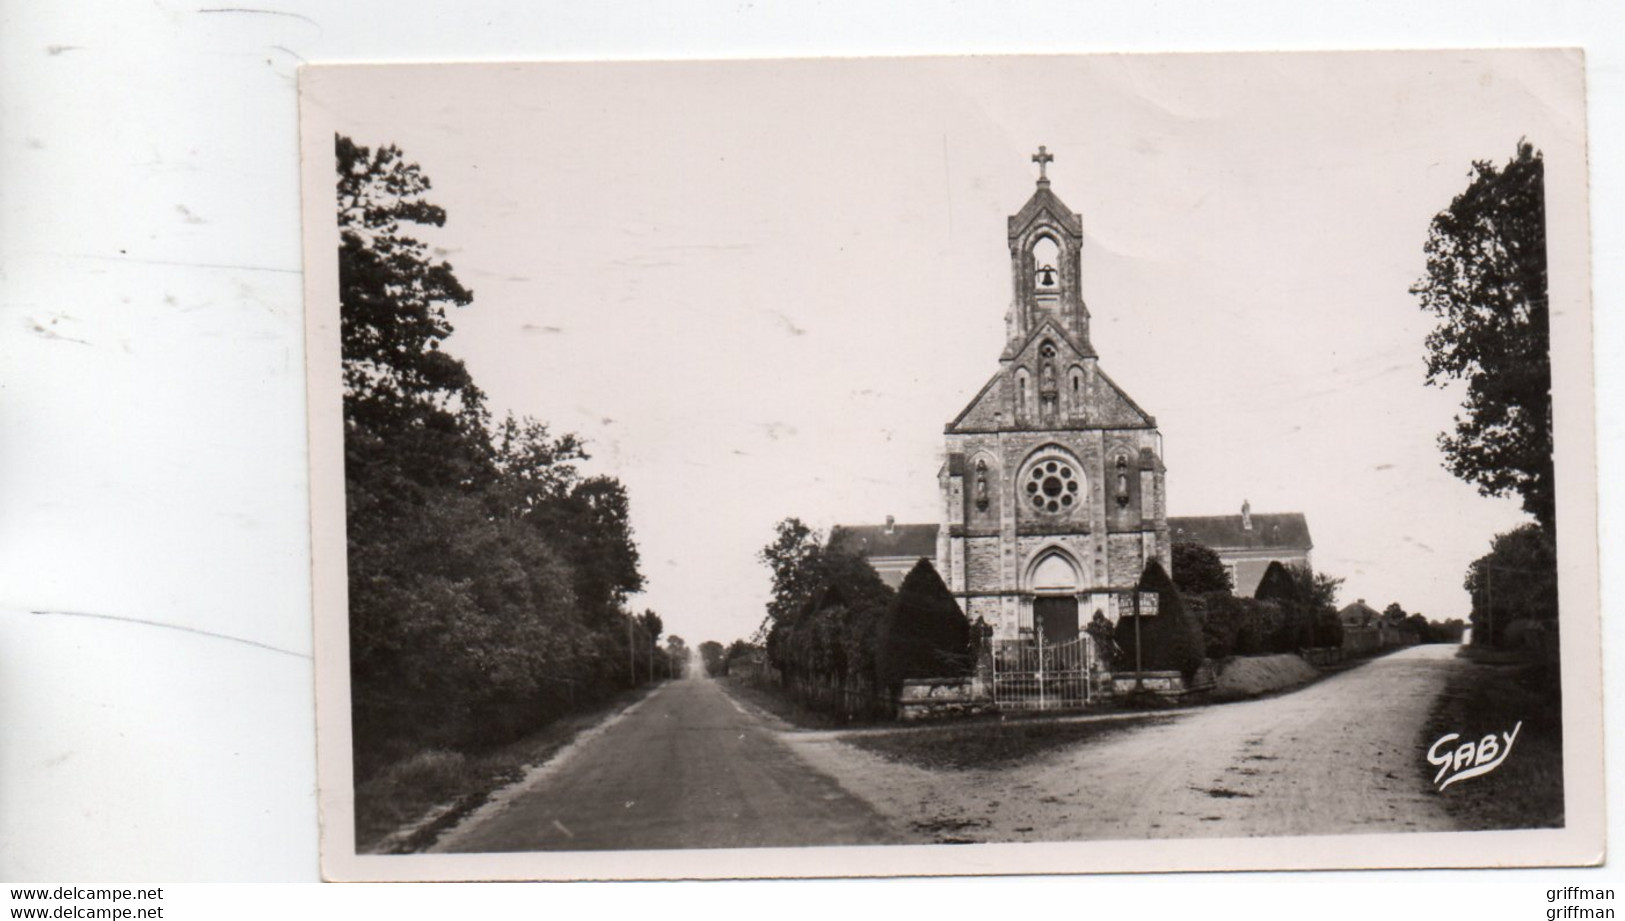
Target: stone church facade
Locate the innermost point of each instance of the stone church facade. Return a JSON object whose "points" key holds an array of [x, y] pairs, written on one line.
{"points": [[1053, 495]]}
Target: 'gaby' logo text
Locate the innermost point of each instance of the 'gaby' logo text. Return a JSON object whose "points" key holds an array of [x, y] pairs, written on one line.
{"points": [[1469, 759]]}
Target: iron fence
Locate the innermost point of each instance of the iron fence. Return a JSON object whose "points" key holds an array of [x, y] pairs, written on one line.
{"points": [[1029, 674]]}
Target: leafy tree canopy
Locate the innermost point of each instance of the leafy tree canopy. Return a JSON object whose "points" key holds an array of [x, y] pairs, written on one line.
{"points": [[792, 560], [1198, 569], [1486, 283], [1316, 590], [486, 574], [714, 657], [1516, 580], [393, 293], [651, 624]]}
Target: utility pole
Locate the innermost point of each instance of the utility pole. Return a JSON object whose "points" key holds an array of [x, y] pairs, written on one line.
{"points": [[1139, 679], [631, 652]]}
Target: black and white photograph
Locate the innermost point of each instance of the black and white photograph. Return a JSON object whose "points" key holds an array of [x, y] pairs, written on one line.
{"points": [[952, 465]]}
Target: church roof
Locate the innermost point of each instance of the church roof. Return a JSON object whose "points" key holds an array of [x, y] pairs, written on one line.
{"points": [[1045, 200], [1286, 531], [1049, 328], [874, 540]]}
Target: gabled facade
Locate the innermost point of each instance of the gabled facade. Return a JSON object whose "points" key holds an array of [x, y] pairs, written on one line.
{"points": [[1053, 491]]}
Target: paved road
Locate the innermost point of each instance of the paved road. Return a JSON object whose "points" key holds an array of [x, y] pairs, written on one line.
{"points": [[1342, 756], [687, 767]]}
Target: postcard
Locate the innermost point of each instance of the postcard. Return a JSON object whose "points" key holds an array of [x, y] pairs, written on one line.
{"points": [[960, 465]]}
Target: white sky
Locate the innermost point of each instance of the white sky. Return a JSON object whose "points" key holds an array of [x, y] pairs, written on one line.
{"points": [[760, 289]]}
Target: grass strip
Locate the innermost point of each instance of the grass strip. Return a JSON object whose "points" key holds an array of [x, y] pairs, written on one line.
{"points": [[991, 742], [406, 806], [1490, 696]]}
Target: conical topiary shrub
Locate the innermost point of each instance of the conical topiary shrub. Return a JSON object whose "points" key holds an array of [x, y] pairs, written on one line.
{"points": [[924, 633]]}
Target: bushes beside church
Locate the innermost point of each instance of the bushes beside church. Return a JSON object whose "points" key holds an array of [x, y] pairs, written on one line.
{"points": [[1234, 626], [842, 640], [824, 621], [1291, 612], [924, 633], [1171, 640]]}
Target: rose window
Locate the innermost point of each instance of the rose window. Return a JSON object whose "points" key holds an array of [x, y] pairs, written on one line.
{"points": [[1052, 487]]}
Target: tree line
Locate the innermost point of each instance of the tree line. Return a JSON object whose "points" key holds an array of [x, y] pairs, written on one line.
{"points": [[841, 639], [488, 574]]}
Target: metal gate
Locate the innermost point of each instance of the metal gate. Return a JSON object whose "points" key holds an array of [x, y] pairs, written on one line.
{"points": [[1029, 674]]}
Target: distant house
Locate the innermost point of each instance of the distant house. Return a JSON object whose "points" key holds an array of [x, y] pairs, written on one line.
{"points": [[1359, 614], [1365, 629], [891, 548], [1248, 543]]}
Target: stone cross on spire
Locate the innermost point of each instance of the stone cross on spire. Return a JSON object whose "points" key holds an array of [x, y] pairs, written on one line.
{"points": [[1043, 159]]}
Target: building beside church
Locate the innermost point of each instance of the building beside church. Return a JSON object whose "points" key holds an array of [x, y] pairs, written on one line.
{"points": [[1247, 544], [891, 548]]}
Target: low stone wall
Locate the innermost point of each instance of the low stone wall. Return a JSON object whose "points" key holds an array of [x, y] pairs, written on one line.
{"points": [[1361, 640], [1166, 683], [933, 698], [1322, 656]]}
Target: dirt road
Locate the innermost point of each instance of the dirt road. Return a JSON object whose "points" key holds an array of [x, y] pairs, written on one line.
{"points": [[1338, 757], [685, 767]]}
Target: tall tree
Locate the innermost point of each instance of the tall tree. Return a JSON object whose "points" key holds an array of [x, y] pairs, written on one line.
{"points": [[1516, 580], [486, 576], [651, 624], [826, 605], [591, 525], [713, 657], [792, 559], [1316, 590], [1486, 282]]}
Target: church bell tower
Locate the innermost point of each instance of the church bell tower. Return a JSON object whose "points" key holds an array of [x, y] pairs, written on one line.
{"points": [[1046, 255]]}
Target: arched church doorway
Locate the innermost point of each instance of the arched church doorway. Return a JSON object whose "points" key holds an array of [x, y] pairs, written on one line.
{"points": [[1055, 599]]}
